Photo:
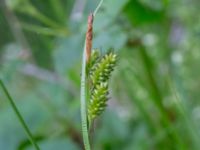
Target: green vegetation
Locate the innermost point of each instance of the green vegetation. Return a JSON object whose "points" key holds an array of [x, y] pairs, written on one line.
{"points": [[153, 99]]}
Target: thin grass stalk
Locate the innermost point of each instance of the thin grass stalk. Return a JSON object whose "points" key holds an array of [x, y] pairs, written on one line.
{"points": [[19, 116], [184, 113], [83, 103], [158, 98]]}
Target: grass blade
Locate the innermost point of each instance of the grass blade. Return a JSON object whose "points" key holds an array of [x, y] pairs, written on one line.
{"points": [[19, 116]]}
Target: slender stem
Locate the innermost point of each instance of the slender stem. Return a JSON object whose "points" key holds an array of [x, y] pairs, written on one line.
{"points": [[97, 8], [19, 116], [83, 103], [158, 98]]}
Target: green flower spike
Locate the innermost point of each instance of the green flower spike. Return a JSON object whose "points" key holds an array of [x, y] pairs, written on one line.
{"points": [[101, 71], [95, 56], [98, 100]]}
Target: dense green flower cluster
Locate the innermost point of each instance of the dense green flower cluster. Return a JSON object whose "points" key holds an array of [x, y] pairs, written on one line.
{"points": [[99, 72], [98, 100], [95, 56]]}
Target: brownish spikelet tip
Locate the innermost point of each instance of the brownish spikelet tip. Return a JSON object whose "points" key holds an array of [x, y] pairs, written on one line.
{"points": [[89, 35]]}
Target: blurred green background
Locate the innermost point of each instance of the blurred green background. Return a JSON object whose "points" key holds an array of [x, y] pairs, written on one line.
{"points": [[154, 102]]}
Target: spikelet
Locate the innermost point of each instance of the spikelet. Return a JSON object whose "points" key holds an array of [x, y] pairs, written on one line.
{"points": [[101, 71], [95, 56], [98, 100]]}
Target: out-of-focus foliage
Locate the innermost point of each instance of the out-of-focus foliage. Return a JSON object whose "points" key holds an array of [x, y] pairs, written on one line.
{"points": [[155, 96]]}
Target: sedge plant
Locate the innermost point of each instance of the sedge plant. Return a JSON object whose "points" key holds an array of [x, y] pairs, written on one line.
{"points": [[96, 71]]}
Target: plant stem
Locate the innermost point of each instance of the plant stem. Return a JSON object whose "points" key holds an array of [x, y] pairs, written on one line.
{"points": [[158, 99], [19, 116], [84, 123], [83, 103], [97, 8]]}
